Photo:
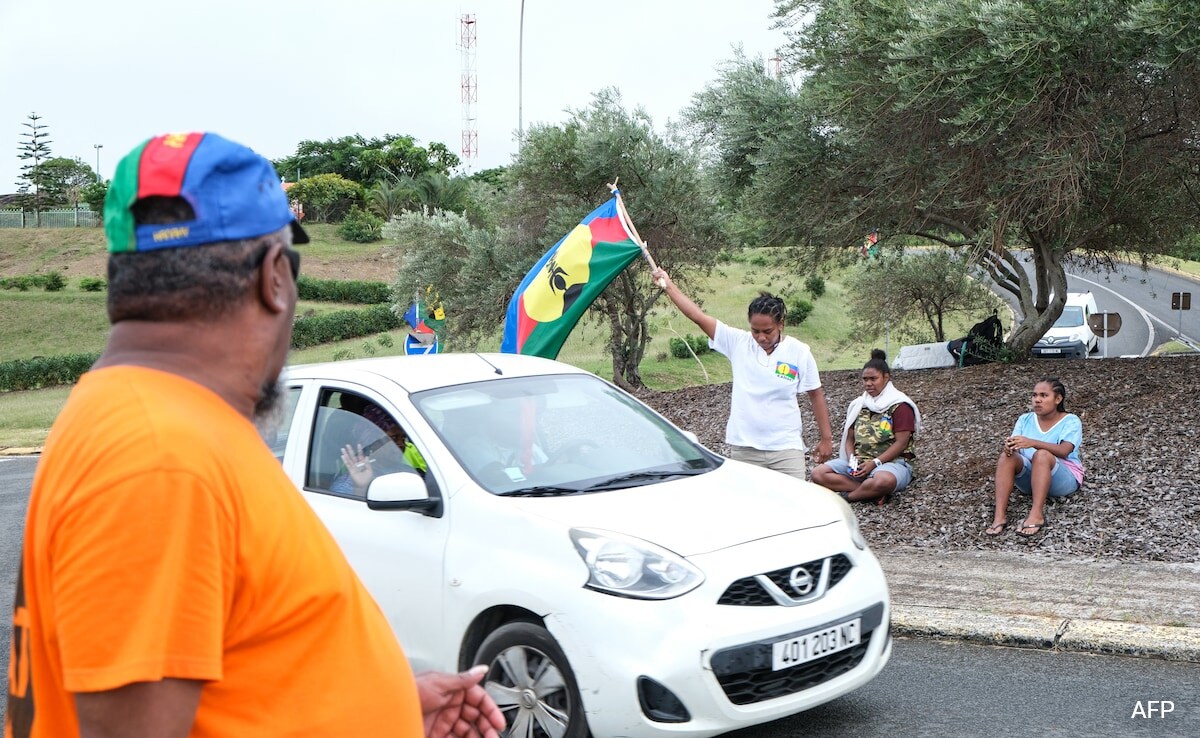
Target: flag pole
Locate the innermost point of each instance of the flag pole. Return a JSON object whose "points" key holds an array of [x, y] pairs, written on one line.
{"points": [[626, 221]]}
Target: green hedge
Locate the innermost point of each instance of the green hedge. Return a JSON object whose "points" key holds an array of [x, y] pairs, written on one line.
{"points": [[343, 290], [50, 371], [44, 371], [52, 282], [343, 324]]}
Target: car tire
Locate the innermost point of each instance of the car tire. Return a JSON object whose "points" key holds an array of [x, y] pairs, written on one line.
{"points": [[532, 682]]}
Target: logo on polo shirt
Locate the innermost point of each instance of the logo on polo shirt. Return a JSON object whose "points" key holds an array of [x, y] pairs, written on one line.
{"points": [[787, 371]]}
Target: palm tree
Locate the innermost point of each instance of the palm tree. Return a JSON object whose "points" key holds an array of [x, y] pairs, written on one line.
{"points": [[435, 191], [388, 200]]}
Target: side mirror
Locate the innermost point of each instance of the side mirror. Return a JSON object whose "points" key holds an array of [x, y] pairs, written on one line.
{"points": [[402, 491]]}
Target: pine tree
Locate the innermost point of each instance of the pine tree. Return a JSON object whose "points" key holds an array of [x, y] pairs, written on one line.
{"points": [[34, 148]]}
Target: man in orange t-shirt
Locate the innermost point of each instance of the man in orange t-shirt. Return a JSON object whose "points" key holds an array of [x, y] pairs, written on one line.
{"points": [[173, 580]]}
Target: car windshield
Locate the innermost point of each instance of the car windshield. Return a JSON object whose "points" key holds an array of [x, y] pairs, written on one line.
{"points": [[558, 435], [1072, 317]]}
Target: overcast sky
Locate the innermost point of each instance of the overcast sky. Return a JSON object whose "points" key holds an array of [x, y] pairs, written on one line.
{"points": [[271, 73]]}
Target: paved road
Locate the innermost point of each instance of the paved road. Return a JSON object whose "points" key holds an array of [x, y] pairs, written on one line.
{"points": [[951, 689], [1143, 299]]}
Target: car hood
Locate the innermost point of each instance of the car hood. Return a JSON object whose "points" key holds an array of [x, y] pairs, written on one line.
{"points": [[733, 504]]}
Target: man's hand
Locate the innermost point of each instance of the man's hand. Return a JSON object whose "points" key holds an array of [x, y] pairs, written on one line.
{"points": [[824, 451], [457, 706]]}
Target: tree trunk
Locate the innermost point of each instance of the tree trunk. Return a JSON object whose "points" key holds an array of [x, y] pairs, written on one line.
{"points": [[1040, 310], [627, 320]]}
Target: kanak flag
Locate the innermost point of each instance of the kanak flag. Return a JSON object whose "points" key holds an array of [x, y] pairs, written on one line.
{"points": [[564, 282]]}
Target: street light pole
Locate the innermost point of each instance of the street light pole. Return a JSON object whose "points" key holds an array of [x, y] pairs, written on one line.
{"points": [[97, 147], [520, 77]]}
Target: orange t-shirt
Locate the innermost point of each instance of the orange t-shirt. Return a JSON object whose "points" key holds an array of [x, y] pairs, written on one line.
{"points": [[164, 541]]}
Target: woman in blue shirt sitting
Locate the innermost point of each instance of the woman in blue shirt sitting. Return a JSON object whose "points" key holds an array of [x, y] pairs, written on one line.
{"points": [[1040, 458]]}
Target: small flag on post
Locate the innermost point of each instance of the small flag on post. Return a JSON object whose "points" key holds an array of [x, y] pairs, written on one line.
{"points": [[425, 315], [563, 283]]}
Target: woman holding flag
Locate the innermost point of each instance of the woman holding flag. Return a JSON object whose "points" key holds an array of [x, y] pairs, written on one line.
{"points": [[769, 370]]}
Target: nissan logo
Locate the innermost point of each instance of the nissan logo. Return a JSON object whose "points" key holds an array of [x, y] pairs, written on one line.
{"points": [[801, 580]]}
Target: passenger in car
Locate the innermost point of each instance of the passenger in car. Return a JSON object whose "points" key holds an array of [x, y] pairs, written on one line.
{"points": [[380, 447]]}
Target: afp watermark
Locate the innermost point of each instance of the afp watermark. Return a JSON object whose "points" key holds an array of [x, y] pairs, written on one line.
{"points": [[1152, 709]]}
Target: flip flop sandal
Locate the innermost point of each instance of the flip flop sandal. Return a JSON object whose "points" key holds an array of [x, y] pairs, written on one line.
{"points": [[999, 529], [1035, 527]]}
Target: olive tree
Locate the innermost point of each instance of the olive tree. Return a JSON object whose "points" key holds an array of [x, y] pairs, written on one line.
{"points": [[913, 294], [559, 176], [1065, 129]]}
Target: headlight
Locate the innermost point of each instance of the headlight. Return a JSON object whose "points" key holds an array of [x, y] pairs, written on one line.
{"points": [[856, 536], [631, 567]]}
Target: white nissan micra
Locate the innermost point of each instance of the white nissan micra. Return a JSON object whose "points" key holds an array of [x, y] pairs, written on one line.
{"points": [[618, 578]]}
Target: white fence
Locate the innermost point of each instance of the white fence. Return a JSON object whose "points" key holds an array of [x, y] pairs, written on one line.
{"points": [[53, 218]]}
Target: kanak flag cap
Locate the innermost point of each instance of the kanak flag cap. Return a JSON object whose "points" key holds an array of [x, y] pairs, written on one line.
{"points": [[235, 193]]}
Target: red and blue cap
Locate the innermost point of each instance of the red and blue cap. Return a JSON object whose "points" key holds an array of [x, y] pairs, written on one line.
{"points": [[235, 193]]}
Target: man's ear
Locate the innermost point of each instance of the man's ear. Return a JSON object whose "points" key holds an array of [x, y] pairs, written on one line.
{"points": [[274, 281]]}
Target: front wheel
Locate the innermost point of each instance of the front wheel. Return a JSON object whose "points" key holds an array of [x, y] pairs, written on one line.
{"points": [[531, 681]]}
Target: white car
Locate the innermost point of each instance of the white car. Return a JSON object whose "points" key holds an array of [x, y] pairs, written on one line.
{"points": [[618, 578], [1071, 335]]}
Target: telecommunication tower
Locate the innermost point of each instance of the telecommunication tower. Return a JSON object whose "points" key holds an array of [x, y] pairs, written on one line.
{"points": [[773, 66], [470, 88]]}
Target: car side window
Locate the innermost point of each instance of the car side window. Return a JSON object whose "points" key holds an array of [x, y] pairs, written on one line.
{"points": [[346, 419], [275, 427]]}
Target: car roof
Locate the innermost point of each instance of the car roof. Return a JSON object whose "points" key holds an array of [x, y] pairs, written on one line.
{"points": [[1079, 298], [417, 373]]}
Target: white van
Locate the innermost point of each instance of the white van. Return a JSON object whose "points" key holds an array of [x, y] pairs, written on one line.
{"points": [[1070, 336]]}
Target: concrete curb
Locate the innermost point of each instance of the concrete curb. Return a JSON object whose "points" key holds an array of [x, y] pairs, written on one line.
{"points": [[1041, 632], [20, 451]]}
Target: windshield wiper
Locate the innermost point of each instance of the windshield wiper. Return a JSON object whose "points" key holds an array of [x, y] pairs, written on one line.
{"points": [[544, 491], [625, 480]]}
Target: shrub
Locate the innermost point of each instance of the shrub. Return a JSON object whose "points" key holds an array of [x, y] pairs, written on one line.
{"points": [[679, 346], [360, 226], [815, 284], [92, 284], [342, 290], [44, 371], [21, 283], [385, 340], [54, 282], [798, 311], [342, 324]]}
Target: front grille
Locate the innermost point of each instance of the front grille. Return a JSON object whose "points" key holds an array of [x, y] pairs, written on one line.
{"points": [[745, 673], [748, 591]]}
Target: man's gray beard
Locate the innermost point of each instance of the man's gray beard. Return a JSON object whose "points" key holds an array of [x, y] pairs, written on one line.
{"points": [[268, 410]]}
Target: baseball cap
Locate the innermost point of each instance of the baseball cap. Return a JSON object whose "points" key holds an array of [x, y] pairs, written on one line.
{"points": [[234, 192]]}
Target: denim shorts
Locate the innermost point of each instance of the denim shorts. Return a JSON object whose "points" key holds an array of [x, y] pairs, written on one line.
{"points": [[899, 468], [1062, 481]]}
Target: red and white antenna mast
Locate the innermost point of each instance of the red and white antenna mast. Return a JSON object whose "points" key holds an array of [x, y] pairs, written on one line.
{"points": [[470, 88], [773, 65]]}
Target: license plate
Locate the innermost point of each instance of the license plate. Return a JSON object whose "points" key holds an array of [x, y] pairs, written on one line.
{"points": [[796, 651], [1050, 351]]}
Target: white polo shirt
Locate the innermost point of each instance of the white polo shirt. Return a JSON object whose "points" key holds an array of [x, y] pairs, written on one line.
{"points": [[764, 413]]}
